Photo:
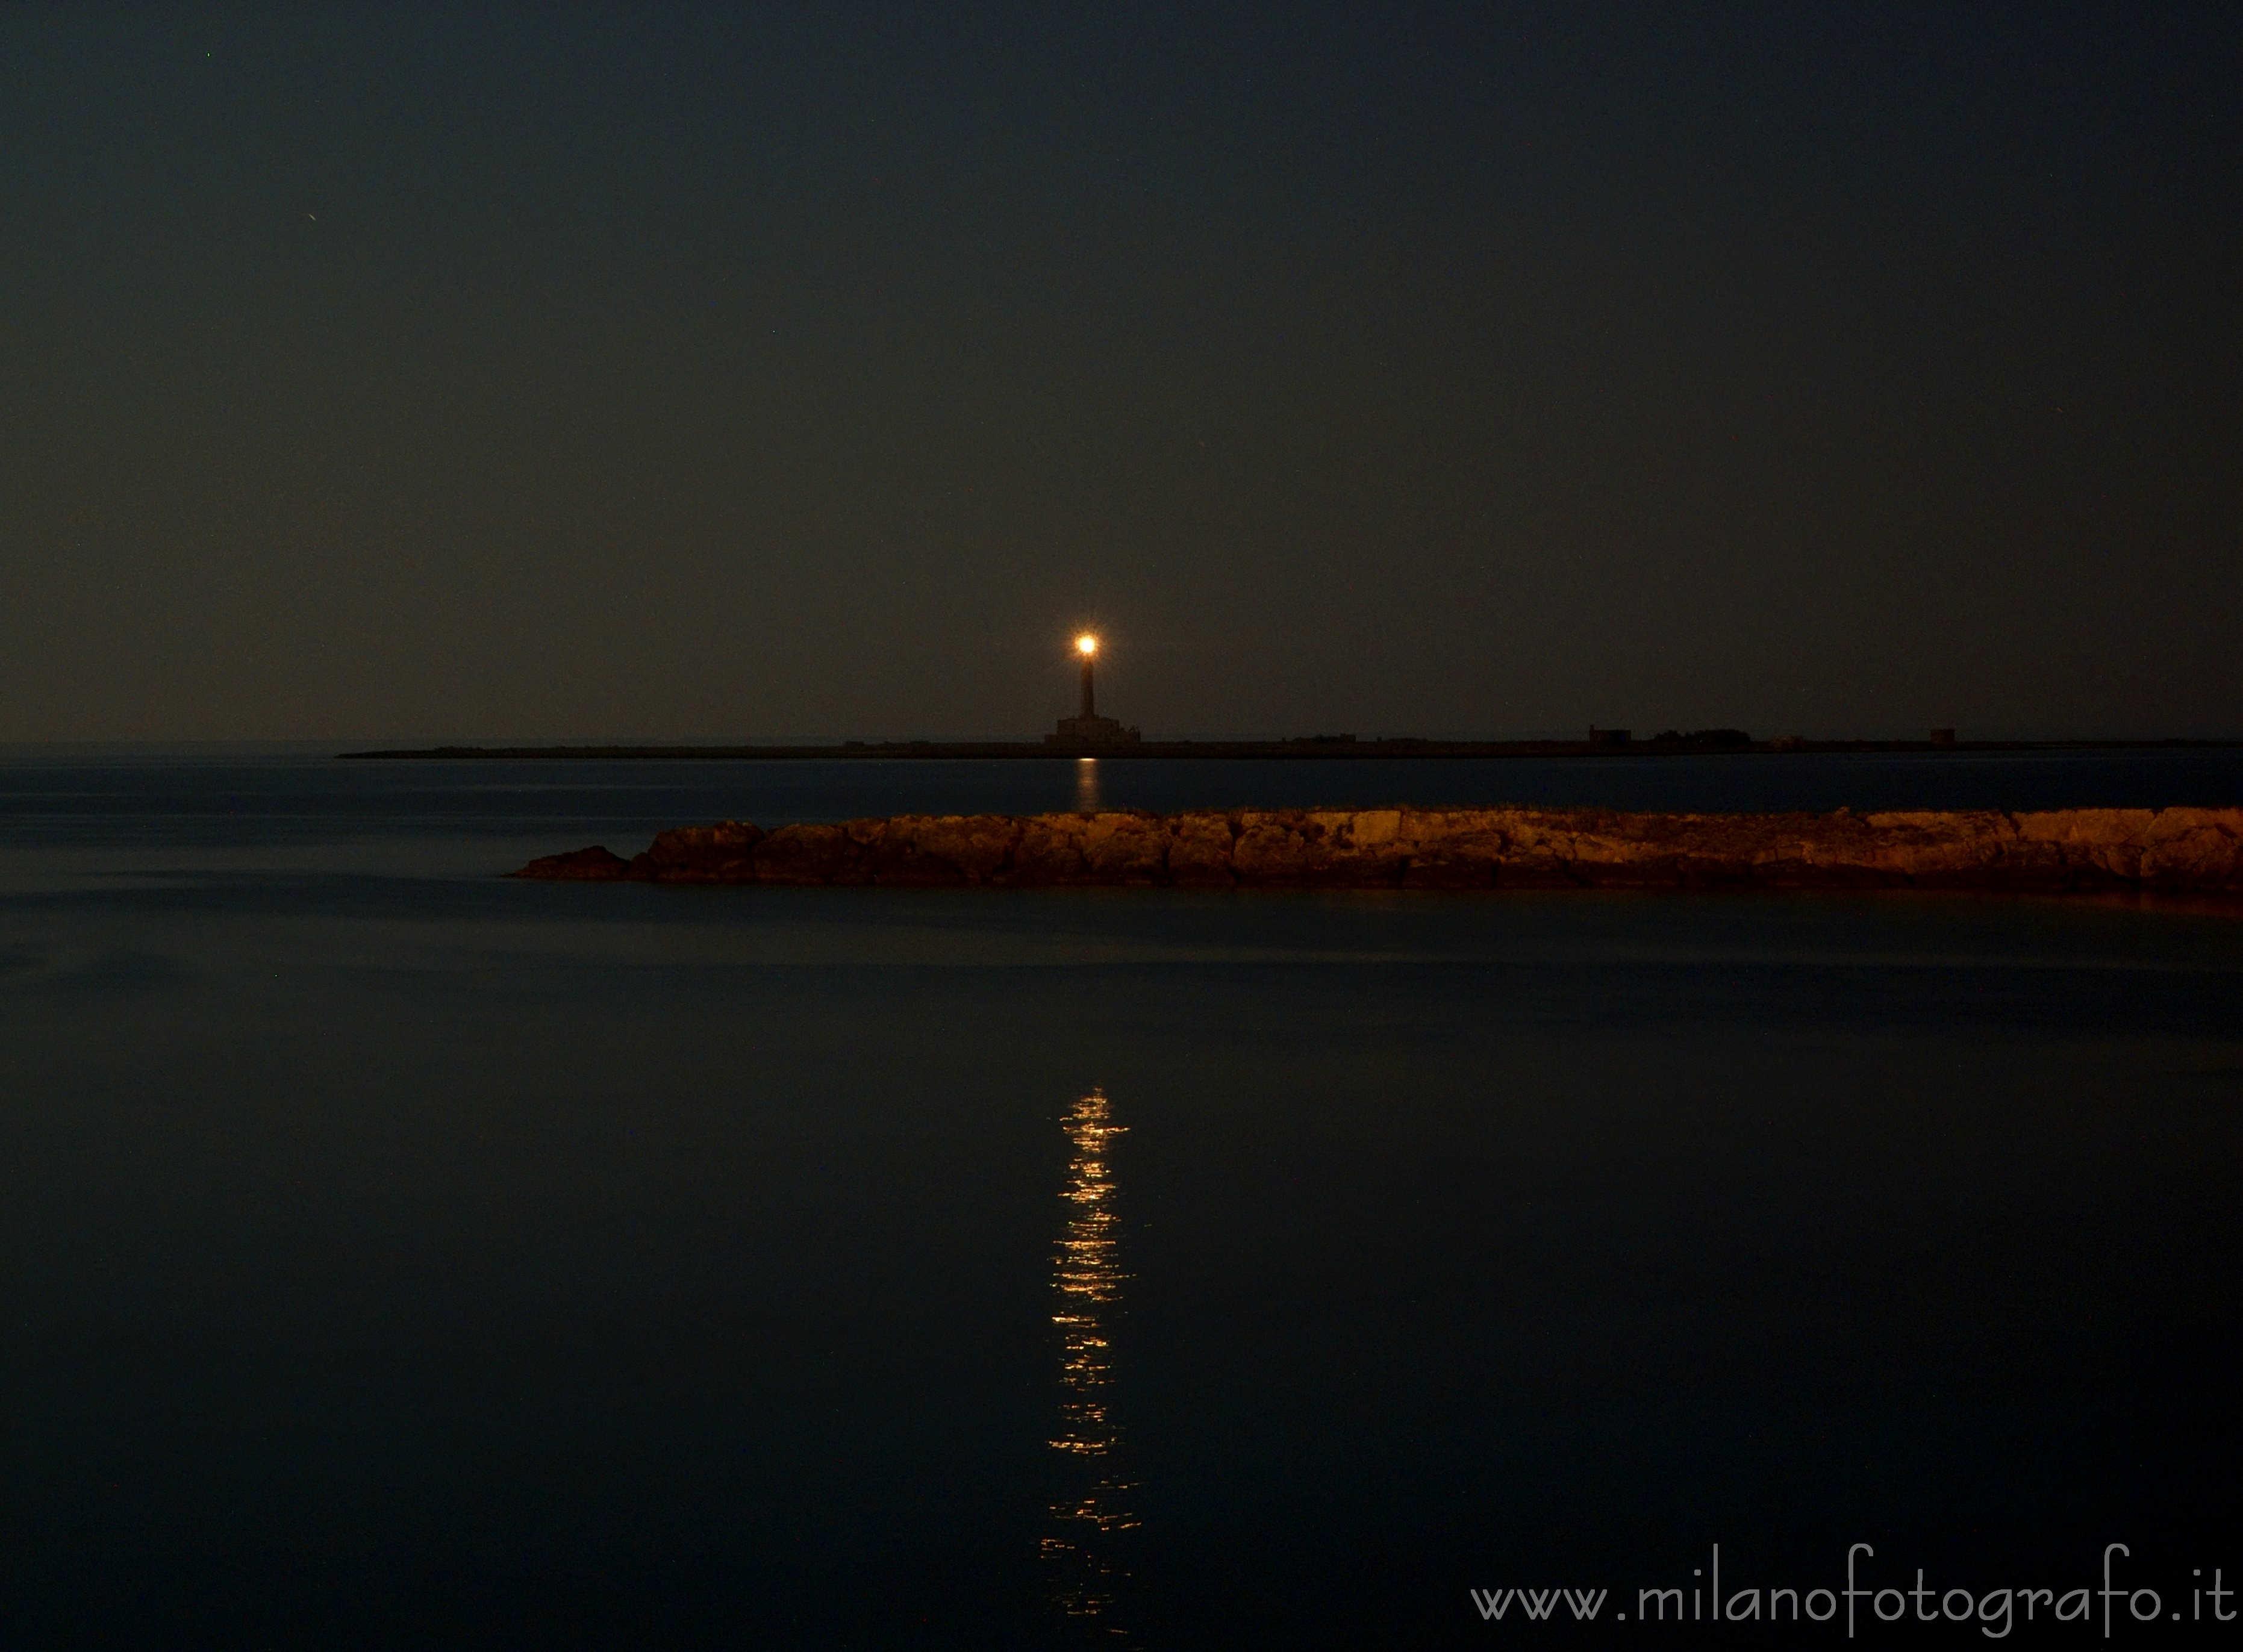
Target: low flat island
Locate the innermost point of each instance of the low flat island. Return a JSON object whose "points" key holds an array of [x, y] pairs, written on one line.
{"points": [[1615, 743], [2175, 850]]}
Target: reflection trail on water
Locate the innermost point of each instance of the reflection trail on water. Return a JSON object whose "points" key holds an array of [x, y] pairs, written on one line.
{"points": [[1082, 1547]]}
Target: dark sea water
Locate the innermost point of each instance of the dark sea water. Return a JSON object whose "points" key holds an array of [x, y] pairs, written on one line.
{"points": [[393, 1255]]}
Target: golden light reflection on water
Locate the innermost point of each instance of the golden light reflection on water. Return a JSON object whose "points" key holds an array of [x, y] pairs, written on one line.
{"points": [[1087, 794], [1087, 1280]]}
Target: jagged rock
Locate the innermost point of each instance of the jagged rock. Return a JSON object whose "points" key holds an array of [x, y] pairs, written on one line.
{"points": [[976, 847], [1200, 850], [722, 853], [1350, 848], [2179, 849], [594, 865], [808, 854], [1050, 851], [1126, 848]]}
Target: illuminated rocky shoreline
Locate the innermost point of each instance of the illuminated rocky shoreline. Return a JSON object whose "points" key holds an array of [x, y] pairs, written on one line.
{"points": [[2177, 850]]}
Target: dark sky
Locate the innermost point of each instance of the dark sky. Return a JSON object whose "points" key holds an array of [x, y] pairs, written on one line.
{"points": [[659, 371]]}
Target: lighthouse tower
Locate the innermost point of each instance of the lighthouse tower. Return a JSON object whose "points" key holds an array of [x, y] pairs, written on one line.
{"points": [[1088, 728]]}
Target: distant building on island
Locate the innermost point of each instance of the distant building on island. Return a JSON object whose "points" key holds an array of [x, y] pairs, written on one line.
{"points": [[1088, 728]]}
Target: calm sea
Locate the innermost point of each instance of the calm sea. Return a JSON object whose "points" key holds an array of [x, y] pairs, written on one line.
{"points": [[392, 1255]]}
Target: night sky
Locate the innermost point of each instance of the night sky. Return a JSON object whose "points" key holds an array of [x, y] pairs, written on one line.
{"points": [[649, 371]]}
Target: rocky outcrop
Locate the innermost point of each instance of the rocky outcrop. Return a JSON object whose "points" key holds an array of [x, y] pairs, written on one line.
{"points": [[594, 865], [2178, 849]]}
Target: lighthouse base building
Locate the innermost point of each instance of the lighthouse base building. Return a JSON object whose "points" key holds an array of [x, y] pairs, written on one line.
{"points": [[1091, 730]]}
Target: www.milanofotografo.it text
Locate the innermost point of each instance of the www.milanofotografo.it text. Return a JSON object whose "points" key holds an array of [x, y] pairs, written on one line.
{"points": [[2122, 1600]]}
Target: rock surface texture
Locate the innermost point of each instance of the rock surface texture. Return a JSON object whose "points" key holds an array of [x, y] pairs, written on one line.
{"points": [[2177, 849]]}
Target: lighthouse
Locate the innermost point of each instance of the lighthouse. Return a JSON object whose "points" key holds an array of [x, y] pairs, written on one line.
{"points": [[1088, 728]]}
